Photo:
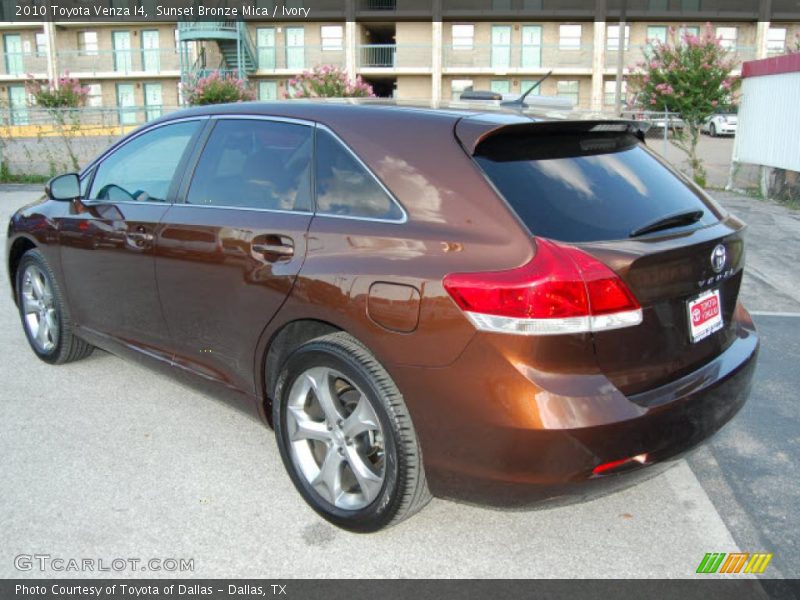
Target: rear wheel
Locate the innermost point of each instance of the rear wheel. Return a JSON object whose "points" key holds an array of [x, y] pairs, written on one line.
{"points": [[346, 437], [45, 316], [712, 130]]}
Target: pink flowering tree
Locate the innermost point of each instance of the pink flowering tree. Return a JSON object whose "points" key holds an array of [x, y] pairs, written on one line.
{"points": [[690, 75], [60, 99], [217, 88], [326, 81], [66, 93]]}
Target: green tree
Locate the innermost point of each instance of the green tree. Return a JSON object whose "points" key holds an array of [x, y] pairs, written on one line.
{"points": [[690, 75]]}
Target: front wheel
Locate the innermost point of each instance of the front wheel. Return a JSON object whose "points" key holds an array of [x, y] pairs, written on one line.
{"points": [[44, 312], [712, 130], [346, 437]]}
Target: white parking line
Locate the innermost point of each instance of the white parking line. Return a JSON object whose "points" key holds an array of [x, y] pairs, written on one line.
{"points": [[768, 313]]}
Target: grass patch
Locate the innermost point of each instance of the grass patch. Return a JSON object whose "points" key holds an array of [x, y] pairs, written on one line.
{"points": [[13, 178], [6, 176]]}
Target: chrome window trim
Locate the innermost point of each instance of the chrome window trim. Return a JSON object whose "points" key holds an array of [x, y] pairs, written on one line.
{"points": [[402, 220], [244, 208], [274, 118], [133, 136], [244, 117]]}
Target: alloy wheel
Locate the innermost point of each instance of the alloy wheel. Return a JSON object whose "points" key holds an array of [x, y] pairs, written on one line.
{"points": [[39, 309], [336, 440]]}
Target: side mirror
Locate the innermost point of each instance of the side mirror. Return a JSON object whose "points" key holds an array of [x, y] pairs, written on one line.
{"points": [[64, 187]]}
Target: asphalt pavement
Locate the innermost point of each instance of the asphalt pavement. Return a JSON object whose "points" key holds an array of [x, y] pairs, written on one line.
{"points": [[106, 459]]}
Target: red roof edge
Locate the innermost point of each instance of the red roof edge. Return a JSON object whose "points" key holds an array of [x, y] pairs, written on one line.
{"points": [[786, 63]]}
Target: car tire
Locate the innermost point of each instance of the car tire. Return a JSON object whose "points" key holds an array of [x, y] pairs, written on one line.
{"points": [[346, 437], [712, 130], [44, 313]]}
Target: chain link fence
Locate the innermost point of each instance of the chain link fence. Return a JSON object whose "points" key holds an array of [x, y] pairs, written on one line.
{"points": [[44, 142]]}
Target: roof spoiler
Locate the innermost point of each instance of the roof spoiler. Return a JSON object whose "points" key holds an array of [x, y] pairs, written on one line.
{"points": [[471, 132]]}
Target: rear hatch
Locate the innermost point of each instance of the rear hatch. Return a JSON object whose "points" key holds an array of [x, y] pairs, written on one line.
{"points": [[595, 186]]}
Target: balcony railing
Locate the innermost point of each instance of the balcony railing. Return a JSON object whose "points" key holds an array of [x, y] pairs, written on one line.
{"points": [[123, 62], [393, 56], [297, 58], [394, 6], [517, 57], [19, 64], [635, 54]]}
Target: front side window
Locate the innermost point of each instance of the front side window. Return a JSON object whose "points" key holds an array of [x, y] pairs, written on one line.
{"points": [[255, 164], [345, 187], [143, 169]]}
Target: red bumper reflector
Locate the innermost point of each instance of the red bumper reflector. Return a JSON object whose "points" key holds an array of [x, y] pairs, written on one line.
{"points": [[603, 469]]}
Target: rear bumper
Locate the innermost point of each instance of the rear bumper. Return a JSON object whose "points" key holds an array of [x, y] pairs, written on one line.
{"points": [[496, 440]]}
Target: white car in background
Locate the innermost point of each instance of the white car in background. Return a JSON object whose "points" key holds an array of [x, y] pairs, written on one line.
{"points": [[721, 123]]}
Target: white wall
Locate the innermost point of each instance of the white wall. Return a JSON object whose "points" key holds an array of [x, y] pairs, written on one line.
{"points": [[769, 122]]}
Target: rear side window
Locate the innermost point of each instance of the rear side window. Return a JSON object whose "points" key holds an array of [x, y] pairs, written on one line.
{"points": [[583, 187], [345, 187], [255, 164]]}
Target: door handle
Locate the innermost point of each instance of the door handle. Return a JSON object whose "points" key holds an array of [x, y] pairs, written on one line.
{"points": [[140, 236], [274, 246], [276, 249]]}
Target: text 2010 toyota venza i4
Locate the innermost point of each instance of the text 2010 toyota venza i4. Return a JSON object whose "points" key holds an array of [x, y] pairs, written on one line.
{"points": [[474, 304]]}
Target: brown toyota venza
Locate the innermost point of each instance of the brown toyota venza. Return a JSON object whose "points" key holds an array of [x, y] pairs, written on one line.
{"points": [[480, 304]]}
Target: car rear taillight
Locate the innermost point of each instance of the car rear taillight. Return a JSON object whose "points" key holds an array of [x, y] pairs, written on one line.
{"points": [[561, 290]]}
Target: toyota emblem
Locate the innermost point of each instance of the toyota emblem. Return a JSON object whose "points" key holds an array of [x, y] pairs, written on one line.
{"points": [[718, 258]]}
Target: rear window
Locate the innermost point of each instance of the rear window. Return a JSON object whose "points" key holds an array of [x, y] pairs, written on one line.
{"points": [[584, 187]]}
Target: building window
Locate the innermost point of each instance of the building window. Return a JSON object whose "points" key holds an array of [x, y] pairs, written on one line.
{"points": [[41, 44], [500, 86], [153, 101], [776, 40], [569, 37], [728, 37], [463, 37], [568, 89], [657, 33], [690, 30], [332, 36], [610, 91], [267, 90], [18, 103], [151, 53], [527, 84], [87, 43], [457, 86], [612, 42], [95, 96]]}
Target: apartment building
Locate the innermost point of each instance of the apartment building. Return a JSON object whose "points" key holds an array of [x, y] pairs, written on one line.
{"points": [[401, 53]]}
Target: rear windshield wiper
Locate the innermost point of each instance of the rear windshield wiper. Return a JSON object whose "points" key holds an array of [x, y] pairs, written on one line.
{"points": [[674, 220]]}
